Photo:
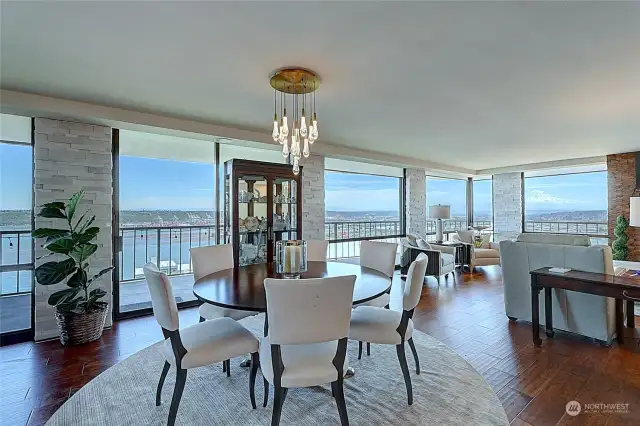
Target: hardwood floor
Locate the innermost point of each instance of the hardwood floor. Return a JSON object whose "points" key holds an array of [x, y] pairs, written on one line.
{"points": [[466, 313]]}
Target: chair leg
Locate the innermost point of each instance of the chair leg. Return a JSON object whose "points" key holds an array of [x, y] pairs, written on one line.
{"points": [[202, 319], [224, 366], [181, 378], [266, 392], [338, 392], [405, 371], [368, 349], [228, 367], [163, 376], [415, 355], [278, 401], [359, 350], [252, 379]]}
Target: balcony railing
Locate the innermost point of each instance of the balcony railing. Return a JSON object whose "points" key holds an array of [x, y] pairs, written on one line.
{"points": [[344, 237], [597, 231], [16, 262]]}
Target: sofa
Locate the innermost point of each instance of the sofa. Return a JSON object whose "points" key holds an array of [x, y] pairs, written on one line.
{"points": [[487, 254], [441, 259], [584, 314]]}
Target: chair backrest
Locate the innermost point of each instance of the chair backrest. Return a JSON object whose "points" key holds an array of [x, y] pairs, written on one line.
{"points": [[210, 259], [165, 308], [379, 256], [310, 310], [415, 280], [317, 250]]}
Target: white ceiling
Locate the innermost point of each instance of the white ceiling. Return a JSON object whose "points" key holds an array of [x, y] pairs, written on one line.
{"points": [[477, 85]]}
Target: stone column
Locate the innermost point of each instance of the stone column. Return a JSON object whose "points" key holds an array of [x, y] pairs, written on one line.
{"points": [[70, 157], [416, 201], [313, 209], [507, 205]]}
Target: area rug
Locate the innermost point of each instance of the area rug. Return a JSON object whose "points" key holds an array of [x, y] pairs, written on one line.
{"points": [[447, 392]]}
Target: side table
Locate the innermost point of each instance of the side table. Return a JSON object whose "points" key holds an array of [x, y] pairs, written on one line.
{"points": [[463, 252]]}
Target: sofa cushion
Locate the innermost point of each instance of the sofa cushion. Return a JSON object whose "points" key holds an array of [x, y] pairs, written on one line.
{"points": [[466, 236], [483, 253], [556, 239], [446, 259], [413, 239]]}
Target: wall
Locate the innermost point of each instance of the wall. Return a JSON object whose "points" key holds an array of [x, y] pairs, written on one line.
{"points": [[313, 209], [621, 182], [507, 205], [69, 157], [416, 201]]}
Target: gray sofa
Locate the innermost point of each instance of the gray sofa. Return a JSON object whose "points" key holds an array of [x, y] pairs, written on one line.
{"points": [[584, 314]]}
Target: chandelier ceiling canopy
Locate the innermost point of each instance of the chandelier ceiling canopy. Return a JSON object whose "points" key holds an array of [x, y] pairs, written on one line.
{"points": [[295, 88]]}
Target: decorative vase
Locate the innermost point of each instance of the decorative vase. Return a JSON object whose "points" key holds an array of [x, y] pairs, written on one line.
{"points": [[291, 258], [80, 328]]}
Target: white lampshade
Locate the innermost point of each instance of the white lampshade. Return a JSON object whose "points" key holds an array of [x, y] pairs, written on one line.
{"points": [[634, 211], [440, 211]]}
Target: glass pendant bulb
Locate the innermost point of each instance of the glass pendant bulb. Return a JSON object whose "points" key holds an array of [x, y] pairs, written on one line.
{"points": [[303, 124], [276, 129], [306, 148], [296, 166], [285, 124], [314, 123], [285, 148]]}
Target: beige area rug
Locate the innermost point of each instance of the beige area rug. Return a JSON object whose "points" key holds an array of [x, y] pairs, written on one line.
{"points": [[447, 392]]}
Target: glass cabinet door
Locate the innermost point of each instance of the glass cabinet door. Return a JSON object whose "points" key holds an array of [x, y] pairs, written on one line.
{"points": [[285, 210], [252, 217]]}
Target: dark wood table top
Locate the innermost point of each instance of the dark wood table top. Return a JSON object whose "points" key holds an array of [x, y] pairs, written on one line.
{"points": [[626, 283], [243, 288]]}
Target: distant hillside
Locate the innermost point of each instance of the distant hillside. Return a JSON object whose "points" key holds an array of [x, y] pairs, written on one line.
{"points": [[579, 216]]}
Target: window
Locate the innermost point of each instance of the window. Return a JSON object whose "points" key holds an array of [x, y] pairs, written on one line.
{"points": [[483, 202], [361, 206], [451, 192], [568, 203], [16, 249]]}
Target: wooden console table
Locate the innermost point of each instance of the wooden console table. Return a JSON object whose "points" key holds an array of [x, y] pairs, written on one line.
{"points": [[620, 288]]}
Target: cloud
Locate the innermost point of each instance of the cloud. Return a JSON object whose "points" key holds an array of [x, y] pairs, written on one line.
{"points": [[541, 197]]}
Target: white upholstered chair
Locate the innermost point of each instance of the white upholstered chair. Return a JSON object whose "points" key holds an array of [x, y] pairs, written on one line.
{"points": [[384, 326], [317, 250], [381, 257], [201, 344], [305, 346]]}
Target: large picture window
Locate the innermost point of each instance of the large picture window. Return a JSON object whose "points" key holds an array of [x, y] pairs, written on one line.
{"points": [[568, 203], [451, 192], [483, 202]]}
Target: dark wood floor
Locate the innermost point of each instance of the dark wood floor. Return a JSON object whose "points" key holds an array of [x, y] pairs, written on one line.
{"points": [[534, 384]]}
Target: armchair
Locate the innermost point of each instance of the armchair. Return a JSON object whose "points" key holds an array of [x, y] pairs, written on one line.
{"points": [[488, 254], [441, 258]]}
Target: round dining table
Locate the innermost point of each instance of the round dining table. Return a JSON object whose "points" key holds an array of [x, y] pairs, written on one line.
{"points": [[242, 288]]}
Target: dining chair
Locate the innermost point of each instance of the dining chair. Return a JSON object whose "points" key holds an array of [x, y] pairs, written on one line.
{"points": [[207, 260], [306, 343], [317, 250], [387, 327], [381, 257], [195, 346]]}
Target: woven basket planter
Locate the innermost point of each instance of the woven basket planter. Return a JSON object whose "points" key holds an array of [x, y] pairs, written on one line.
{"points": [[77, 329]]}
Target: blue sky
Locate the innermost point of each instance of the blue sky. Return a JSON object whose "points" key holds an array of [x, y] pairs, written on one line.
{"points": [[165, 184]]}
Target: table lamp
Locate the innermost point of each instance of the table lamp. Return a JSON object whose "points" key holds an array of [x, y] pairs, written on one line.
{"points": [[439, 212]]}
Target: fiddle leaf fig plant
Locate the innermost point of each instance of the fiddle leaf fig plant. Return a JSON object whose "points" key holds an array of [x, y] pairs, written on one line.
{"points": [[74, 242]]}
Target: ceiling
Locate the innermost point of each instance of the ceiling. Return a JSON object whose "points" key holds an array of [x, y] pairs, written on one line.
{"points": [[478, 85]]}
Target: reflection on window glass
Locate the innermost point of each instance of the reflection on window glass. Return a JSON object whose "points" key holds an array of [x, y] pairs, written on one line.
{"points": [[571, 203]]}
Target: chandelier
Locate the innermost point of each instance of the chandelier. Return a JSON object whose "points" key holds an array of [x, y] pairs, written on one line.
{"points": [[295, 87]]}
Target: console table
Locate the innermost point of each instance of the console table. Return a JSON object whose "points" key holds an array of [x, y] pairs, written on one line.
{"points": [[623, 289]]}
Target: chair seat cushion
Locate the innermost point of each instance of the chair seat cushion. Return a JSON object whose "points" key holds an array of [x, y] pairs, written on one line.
{"points": [[212, 341], [485, 253], [209, 312], [379, 302], [446, 259], [377, 325], [304, 365]]}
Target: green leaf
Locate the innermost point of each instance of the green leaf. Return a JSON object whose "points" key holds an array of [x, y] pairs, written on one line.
{"points": [[52, 213], [97, 293], [54, 272], [71, 305], [99, 274], [61, 245], [54, 205], [79, 221], [87, 223], [83, 251], [73, 203], [49, 232], [63, 296], [79, 279], [87, 235]]}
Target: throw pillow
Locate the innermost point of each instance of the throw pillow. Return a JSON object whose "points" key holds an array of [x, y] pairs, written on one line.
{"points": [[466, 236], [412, 238], [423, 244], [486, 241]]}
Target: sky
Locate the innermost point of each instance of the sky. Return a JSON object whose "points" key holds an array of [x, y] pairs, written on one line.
{"points": [[175, 185]]}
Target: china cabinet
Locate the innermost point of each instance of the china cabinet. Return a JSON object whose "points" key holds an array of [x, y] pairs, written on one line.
{"points": [[262, 205]]}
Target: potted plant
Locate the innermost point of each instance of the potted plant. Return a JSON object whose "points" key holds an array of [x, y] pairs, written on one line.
{"points": [[80, 313], [619, 246]]}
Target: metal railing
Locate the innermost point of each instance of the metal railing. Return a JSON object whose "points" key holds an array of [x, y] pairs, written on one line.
{"points": [[16, 262], [166, 246], [597, 231], [344, 237]]}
